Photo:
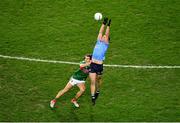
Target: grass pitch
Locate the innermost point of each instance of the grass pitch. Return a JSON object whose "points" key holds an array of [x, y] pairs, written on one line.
{"points": [[142, 33]]}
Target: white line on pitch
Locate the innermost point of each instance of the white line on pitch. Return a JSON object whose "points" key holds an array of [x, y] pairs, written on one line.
{"points": [[75, 63]]}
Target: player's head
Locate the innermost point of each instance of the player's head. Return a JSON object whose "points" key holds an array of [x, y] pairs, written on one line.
{"points": [[88, 57], [104, 37]]}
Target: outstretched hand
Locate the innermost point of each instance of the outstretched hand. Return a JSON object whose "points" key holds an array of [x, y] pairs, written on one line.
{"points": [[105, 20], [109, 23]]}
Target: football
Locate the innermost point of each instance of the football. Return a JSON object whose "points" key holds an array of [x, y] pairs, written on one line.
{"points": [[98, 16]]}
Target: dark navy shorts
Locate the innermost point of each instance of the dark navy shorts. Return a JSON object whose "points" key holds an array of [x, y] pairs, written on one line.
{"points": [[96, 68]]}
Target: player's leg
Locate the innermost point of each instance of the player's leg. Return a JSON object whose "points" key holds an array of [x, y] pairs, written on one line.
{"points": [[82, 88], [60, 93], [99, 82], [63, 91], [92, 77], [78, 94], [98, 85]]}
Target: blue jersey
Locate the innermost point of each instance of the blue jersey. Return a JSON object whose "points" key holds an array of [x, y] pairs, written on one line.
{"points": [[100, 50]]}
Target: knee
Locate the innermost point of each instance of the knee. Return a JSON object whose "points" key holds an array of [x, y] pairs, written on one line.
{"points": [[93, 81], [82, 90]]}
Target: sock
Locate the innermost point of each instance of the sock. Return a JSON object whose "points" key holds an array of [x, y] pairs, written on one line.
{"points": [[93, 96], [55, 99]]}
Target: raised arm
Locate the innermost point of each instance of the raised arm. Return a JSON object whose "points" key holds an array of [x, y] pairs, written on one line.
{"points": [[84, 65], [100, 35], [107, 33]]}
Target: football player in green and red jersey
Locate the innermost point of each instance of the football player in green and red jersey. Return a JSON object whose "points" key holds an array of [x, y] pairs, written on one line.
{"points": [[78, 79]]}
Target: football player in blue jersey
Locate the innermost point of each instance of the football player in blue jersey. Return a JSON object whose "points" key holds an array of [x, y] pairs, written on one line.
{"points": [[98, 56]]}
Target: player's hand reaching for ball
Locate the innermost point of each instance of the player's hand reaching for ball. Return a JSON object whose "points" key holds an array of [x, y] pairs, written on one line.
{"points": [[109, 23], [105, 20]]}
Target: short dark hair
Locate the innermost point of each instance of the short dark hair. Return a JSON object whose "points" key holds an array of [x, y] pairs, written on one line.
{"points": [[88, 55]]}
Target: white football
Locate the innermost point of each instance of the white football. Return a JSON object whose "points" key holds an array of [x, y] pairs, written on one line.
{"points": [[98, 16]]}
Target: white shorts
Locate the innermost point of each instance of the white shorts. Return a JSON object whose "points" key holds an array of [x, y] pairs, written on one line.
{"points": [[75, 81]]}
